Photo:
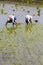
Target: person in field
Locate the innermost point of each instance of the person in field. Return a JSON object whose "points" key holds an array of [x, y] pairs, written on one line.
{"points": [[11, 19], [28, 19]]}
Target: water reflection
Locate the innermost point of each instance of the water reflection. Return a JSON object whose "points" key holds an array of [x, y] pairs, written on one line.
{"points": [[28, 28], [11, 30]]}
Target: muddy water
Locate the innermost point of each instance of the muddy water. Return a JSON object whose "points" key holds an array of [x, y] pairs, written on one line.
{"points": [[22, 45]]}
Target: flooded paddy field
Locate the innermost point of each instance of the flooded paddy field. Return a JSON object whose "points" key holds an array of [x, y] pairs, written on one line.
{"points": [[22, 45]]}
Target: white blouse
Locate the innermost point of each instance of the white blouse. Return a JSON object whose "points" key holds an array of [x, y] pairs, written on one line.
{"points": [[12, 17], [28, 17]]}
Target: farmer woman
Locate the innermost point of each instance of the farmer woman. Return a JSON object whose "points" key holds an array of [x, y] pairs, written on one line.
{"points": [[11, 19], [28, 19]]}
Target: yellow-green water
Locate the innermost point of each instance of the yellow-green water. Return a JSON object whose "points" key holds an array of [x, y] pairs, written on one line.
{"points": [[22, 45]]}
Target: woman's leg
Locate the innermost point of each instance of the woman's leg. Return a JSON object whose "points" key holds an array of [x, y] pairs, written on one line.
{"points": [[13, 24], [26, 21], [6, 23], [30, 20]]}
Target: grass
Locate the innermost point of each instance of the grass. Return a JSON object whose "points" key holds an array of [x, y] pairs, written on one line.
{"points": [[38, 11], [2, 11], [5, 13], [36, 21], [28, 11]]}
